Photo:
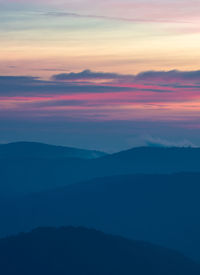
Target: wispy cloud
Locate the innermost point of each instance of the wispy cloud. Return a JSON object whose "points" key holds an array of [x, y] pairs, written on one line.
{"points": [[134, 10], [103, 17], [160, 142]]}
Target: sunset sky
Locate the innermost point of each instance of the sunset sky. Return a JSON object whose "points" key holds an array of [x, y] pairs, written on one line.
{"points": [[100, 74]]}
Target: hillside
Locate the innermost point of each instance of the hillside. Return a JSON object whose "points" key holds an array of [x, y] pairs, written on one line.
{"points": [[78, 251], [41, 150], [152, 160], [27, 173], [162, 209]]}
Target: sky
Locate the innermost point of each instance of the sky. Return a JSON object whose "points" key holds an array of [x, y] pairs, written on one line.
{"points": [[107, 75]]}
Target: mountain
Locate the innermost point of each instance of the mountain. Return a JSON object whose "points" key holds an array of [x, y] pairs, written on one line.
{"points": [[32, 172], [78, 251], [25, 175], [152, 160], [40, 150], [27, 167], [162, 209]]}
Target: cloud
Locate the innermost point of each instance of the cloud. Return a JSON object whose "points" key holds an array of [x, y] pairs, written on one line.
{"points": [[159, 142], [28, 86], [18, 79], [133, 11], [93, 16], [174, 76], [87, 75], [183, 84], [91, 82], [101, 81], [152, 96]]}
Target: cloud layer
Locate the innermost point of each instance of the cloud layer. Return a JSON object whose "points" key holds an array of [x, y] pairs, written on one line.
{"points": [[88, 95], [174, 76], [152, 10]]}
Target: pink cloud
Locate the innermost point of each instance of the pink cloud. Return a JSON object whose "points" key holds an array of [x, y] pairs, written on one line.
{"points": [[148, 96]]}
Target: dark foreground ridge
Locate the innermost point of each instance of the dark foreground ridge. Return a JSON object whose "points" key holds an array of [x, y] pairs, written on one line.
{"points": [[78, 251]]}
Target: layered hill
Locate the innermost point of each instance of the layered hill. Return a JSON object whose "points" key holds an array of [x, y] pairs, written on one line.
{"points": [[162, 209], [78, 251], [32, 171]]}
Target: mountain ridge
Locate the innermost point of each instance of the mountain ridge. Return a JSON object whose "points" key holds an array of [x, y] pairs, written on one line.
{"points": [[78, 250], [162, 209], [26, 174], [43, 150]]}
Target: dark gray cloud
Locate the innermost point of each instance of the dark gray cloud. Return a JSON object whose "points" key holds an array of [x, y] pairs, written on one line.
{"points": [[159, 76], [18, 79], [87, 74], [169, 75], [66, 83], [32, 86]]}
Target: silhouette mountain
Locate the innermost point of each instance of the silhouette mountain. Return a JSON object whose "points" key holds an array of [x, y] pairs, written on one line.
{"points": [[31, 173], [78, 251], [162, 209], [152, 160], [41, 150]]}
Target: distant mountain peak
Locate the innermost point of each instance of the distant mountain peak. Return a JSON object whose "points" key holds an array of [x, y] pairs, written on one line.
{"points": [[42, 150]]}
